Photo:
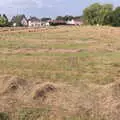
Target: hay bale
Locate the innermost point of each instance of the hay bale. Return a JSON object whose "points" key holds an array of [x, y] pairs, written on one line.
{"points": [[13, 84], [41, 91]]}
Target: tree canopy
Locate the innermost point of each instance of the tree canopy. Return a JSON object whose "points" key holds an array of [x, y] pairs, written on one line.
{"points": [[98, 14], [3, 20], [115, 17], [64, 18], [45, 19]]}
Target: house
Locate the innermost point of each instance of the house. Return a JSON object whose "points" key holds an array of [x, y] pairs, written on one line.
{"points": [[24, 21], [57, 22], [34, 22], [45, 21], [74, 22], [19, 20]]}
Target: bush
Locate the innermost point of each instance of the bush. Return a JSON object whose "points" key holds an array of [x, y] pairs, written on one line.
{"points": [[4, 116]]}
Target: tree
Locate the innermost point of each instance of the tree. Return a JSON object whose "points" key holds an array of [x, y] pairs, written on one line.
{"points": [[91, 14], [105, 14], [97, 14], [67, 17], [6, 20], [45, 19], [59, 18], [2, 21], [115, 17]]}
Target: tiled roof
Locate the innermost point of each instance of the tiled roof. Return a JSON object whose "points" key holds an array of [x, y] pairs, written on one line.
{"points": [[34, 19]]}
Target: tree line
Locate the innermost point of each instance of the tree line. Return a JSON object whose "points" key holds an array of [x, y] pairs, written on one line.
{"points": [[68, 17], [102, 14]]}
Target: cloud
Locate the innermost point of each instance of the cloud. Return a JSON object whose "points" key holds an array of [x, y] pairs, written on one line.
{"points": [[15, 6], [21, 3], [29, 3]]}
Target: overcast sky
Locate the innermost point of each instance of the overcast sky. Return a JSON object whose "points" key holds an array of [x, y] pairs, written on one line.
{"points": [[48, 8]]}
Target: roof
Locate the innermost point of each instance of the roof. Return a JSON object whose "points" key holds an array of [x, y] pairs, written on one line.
{"points": [[34, 19], [18, 18], [57, 21]]}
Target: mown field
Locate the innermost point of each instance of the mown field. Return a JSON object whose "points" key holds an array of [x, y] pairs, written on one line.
{"points": [[84, 59]]}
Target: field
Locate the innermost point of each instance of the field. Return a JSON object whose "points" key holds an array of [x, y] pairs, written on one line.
{"points": [[60, 73]]}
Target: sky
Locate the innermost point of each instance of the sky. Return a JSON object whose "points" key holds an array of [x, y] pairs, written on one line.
{"points": [[48, 8]]}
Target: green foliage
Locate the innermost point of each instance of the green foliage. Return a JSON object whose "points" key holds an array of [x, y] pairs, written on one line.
{"points": [[97, 14], [3, 20], [105, 13], [45, 19], [65, 18], [4, 116], [59, 18], [91, 14], [115, 17]]}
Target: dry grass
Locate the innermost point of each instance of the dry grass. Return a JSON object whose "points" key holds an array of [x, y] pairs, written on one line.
{"points": [[85, 60]]}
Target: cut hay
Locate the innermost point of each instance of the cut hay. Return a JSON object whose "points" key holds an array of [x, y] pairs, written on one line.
{"points": [[41, 91], [13, 84]]}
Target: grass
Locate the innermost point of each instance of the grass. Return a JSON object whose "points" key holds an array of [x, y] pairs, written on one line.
{"points": [[96, 58], [33, 114], [86, 64], [64, 66]]}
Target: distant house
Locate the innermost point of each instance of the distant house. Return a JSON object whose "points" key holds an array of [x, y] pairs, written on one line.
{"points": [[19, 20], [24, 21], [74, 22], [57, 22], [34, 22], [45, 21]]}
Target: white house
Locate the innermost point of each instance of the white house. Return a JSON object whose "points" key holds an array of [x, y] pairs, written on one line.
{"points": [[24, 22], [19, 20], [34, 22], [74, 22]]}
